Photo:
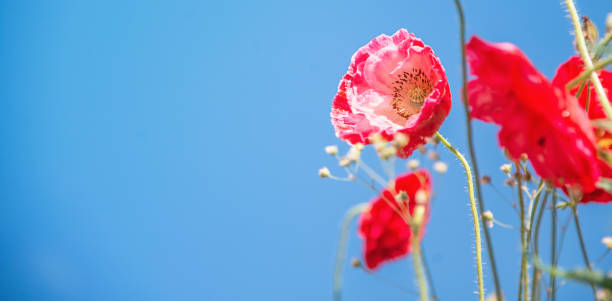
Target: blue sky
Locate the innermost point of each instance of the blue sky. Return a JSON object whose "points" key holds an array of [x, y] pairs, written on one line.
{"points": [[168, 150]]}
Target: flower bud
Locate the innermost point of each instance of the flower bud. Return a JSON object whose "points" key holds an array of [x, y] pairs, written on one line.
{"points": [[509, 182], [433, 155], [400, 140], [401, 196], [387, 153], [440, 167], [324, 172], [607, 241], [485, 180], [413, 164], [591, 35], [331, 150], [422, 149], [487, 216], [506, 168], [355, 262], [609, 23]]}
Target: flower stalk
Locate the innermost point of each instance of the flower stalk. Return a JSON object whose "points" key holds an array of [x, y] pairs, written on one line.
{"points": [[586, 58], [470, 139], [470, 182]]}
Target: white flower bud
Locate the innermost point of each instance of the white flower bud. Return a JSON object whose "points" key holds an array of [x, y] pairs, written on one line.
{"points": [[506, 168], [331, 150], [607, 241], [440, 167], [413, 164], [324, 172]]}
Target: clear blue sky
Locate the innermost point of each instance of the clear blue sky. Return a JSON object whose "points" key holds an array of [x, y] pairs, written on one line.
{"points": [[168, 150]]}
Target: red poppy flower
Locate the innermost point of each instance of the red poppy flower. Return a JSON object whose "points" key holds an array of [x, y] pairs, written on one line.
{"points": [[572, 68], [536, 117], [393, 84], [568, 71], [387, 234]]}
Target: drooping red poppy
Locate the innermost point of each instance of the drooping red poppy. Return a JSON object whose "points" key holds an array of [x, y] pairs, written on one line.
{"points": [[393, 84], [386, 233], [567, 72], [536, 117]]}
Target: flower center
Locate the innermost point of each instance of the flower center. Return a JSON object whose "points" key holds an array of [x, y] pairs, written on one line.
{"points": [[409, 92]]}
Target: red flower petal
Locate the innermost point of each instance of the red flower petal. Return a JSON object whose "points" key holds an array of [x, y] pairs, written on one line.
{"points": [[386, 233], [568, 71], [536, 117], [393, 84]]}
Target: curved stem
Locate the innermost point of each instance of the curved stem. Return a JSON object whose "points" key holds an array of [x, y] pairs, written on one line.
{"points": [[342, 242], [586, 58], [470, 139], [470, 182]]}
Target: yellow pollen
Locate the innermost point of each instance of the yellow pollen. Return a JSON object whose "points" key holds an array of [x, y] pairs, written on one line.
{"points": [[409, 92]]}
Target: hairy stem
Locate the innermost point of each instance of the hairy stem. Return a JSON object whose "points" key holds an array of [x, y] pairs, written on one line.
{"points": [[586, 58], [587, 73], [470, 139], [470, 182], [342, 243]]}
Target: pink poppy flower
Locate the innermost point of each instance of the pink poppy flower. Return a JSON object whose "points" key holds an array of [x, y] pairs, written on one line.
{"points": [[393, 84]]}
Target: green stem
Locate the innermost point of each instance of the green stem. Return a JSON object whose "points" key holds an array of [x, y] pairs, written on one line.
{"points": [[428, 274], [475, 215], [588, 98], [582, 246], [523, 275], [342, 243], [586, 58], [471, 148], [535, 292], [586, 73], [416, 256], [553, 246]]}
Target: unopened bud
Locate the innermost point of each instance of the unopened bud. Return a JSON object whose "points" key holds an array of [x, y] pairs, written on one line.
{"points": [[440, 167], [400, 140], [485, 180], [377, 138], [487, 215], [609, 23], [401, 196], [433, 155], [413, 164], [422, 149], [353, 154], [607, 241], [331, 150], [603, 294], [344, 162], [421, 196], [432, 140], [506, 168], [523, 157], [355, 262], [387, 153], [591, 35], [324, 172], [510, 182]]}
